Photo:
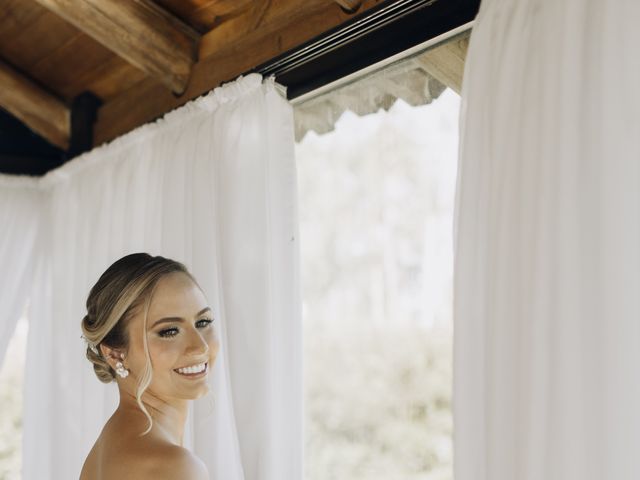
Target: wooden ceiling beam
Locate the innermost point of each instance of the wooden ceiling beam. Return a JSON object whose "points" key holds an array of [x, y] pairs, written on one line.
{"points": [[41, 111], [350, 6], [234, 47], [140, 31]]}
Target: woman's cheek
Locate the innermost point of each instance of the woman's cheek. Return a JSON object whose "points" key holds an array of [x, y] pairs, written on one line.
{"points": [[162, 350]]}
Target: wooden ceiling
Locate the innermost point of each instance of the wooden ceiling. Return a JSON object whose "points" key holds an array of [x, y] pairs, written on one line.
{"points": [[141, 58]]}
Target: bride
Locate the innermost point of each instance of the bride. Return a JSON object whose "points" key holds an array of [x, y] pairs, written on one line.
{"points": [[148, 328]]}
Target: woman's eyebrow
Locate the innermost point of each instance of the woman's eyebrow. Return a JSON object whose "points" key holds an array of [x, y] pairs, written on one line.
{"points": [[178, 319]]}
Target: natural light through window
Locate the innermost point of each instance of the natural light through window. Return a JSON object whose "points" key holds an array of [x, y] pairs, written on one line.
{"points": [[376, 207], [11, 384]]}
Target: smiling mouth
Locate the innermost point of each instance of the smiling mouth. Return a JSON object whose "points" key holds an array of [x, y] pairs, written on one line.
{"points": [[197, 370]]}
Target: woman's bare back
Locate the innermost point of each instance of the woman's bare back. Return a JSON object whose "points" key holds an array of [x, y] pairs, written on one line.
{"points": [[121, 454]]}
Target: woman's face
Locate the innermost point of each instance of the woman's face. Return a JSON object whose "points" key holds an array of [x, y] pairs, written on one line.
{"points": [[183, 344]]}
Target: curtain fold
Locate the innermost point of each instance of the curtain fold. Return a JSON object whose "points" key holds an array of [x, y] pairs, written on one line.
{"points": [[547, 254], [20, 202], [258, 235], [212, 184]]}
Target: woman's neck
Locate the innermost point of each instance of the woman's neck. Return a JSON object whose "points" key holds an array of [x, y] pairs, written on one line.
{"points": [[169, 417]]}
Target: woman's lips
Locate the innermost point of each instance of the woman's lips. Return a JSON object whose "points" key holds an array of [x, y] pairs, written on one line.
{"points": [[195, 375]]}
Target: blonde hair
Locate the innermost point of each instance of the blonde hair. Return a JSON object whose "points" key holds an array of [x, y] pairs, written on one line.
{"points": [[125, 286]]}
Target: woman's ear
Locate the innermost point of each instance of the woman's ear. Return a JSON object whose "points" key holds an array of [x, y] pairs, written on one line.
{"points": [[111, 355]]}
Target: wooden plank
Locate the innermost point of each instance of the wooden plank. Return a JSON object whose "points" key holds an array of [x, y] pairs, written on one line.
{"points": [[36, 108], [36, 38], [77, 54], [204, 15], [350, 6], [141, 32], [106, 80], [87, 65], [45, 41], [223, 8], [234, 47], [14, 16]]}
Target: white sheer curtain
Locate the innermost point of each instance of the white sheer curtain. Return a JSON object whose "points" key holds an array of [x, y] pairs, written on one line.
{"points": [[211, 184], [19, 225], [547, 259]]}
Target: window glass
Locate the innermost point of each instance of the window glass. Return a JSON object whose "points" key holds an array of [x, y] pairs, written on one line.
{"points": [[376, 192], [11, 382]]}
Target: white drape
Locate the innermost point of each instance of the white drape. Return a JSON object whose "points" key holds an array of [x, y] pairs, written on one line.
{"points": [[547, 259], [212, 184], [19, 223]]}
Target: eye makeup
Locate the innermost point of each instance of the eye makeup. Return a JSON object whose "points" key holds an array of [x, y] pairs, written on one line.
{"points": [[173, 331]]}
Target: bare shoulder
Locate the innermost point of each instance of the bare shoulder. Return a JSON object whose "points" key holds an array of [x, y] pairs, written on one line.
{"points": [[171, 462], [153, 461], [121, 453]]}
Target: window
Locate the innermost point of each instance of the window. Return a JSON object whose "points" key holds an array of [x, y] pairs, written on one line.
{"points": [[376, 209], [11, 381]]}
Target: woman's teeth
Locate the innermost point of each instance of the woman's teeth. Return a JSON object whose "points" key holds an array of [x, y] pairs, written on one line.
{"points": [[192, 369]]}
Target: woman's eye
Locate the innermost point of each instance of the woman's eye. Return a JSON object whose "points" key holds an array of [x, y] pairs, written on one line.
{"points": [[168, 332], [205, 322], [173, 331]]}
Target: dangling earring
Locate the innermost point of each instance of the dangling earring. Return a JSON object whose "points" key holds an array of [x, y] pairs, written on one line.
{"points": [[120, 370]]}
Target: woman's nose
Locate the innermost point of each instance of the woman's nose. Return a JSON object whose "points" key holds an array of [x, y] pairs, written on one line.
{"points": [[197, 343]]}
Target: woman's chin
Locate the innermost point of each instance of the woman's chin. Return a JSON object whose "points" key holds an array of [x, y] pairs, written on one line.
{"points": [[202, 393], [193, 393]]}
